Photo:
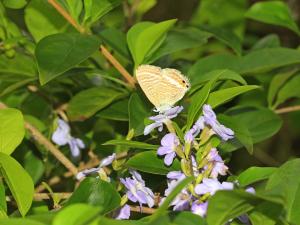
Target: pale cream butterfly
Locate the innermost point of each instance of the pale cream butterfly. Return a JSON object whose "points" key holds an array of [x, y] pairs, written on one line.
{"points": [[163, 87]]}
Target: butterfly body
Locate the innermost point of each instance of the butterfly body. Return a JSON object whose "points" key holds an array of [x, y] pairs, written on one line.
{"points": [[163, 87]]}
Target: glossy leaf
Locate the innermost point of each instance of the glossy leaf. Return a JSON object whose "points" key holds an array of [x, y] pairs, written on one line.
{"points": [[143, 37], [12, 129], [18, 181], [96, 192], [177, 40], [221, 96], [42, 20], [289, 90], [132, 144], [116, 111], [273, 12], [77, 214], [286, 181], [138, 111], [86, 103], [255, 174], [226, 36], [58, 53], [151, 163]]}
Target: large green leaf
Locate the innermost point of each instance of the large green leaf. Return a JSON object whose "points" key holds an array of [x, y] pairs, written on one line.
{"points": [[226, 205], [262, 123], [221, 96], [132, 144], [138, 111], [42, 19], [77, 214], [179, 39], [255, 62], [143, 37], [286, 181], [96, 192], [226, 36], [273, 12], [18, 181], [151, 163], [86, 103], [289, 90], [19, 221], [116, 111], [57, 53], [255, 174], [12, 129], [14, 4]]}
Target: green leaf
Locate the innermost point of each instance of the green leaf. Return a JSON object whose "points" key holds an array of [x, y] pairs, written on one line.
{"points": [[255, 62], [12, 129], [138, 111], [177, 40], [149, 162], [286, 181], [269, 41], [224, 95], [42, 20], [225, 75], [3, 205], [86, 103], [96, 192], [77, 214], [18, 221], [289, 90], [143, 37], [18, 181], [255, 174], [166, 203], [242, 136], [55, 54], [226, 36], [262, 123], [132, 144], [273, 12], [225, 205], [276, 83], [95, 9], [199, 98], [14, 4], [116, 111], [74, 7]]}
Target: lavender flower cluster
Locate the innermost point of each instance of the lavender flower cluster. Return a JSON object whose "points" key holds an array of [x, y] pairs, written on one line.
{"points": [[198, 155]]}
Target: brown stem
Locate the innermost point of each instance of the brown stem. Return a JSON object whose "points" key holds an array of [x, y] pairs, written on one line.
{"points": [[142, 209], [118, 66], [66, 15], [288, 109], [42, 140]]}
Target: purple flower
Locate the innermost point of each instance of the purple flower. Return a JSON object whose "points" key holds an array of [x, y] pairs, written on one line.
{"points": [[161, 118], [123, 213], [104, 162], [210, 119], [62, 136], [211, 185], [199, 208], [250, 190], [137, 191], [195, 130], [218, 164], [169, 143]]}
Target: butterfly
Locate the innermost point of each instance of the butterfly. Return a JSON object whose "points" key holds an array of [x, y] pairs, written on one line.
{"points": [[163, 87]]}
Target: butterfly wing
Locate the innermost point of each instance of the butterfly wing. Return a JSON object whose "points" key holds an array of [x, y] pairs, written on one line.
{"points": [[163, 88]]}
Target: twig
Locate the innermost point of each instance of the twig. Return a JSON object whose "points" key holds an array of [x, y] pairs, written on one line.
{"points": [[118, 66], [142, 209], [66, 15], [288, 109], [42, 140], [104, 51]]}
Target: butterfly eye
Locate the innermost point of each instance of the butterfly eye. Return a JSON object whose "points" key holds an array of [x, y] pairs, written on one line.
{"points": [[183, 81]]}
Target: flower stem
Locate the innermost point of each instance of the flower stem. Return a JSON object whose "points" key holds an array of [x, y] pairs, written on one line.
{"points": [[170, 126]]}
